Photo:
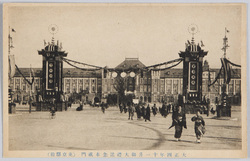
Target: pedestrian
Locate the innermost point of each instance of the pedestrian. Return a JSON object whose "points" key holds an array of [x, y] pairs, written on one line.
{"points": [[138, 111], [169, 108], [131, 111], [147, 117], [164, 110], [124, 108], [212, 110], [120, 106], [199, 126], [53, 108], [80, 108], [143, 111], [154, 109], [53, 112], [103, 107], [179, 121]]}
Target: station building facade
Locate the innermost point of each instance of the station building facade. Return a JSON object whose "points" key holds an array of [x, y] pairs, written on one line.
{"points": [[148, 86]]}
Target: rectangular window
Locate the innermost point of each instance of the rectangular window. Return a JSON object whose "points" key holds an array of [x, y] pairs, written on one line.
{"points": [[155, 88], [24, 87], [80, 88], [168, 86], [237, 86], [141, 88], [141, 80], [175, 86], [230, 87]]}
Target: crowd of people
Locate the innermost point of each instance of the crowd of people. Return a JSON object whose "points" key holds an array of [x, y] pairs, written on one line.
{"points": [[178, 117], [143, 111]]}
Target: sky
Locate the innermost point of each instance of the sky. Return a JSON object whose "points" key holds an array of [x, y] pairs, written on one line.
{"points": [[104, 35]]}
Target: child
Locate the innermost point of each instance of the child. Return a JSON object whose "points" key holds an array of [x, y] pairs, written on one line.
{"points": [[199, 125]]}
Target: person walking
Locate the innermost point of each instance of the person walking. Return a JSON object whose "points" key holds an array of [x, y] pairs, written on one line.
{"points": [[154, 109], [138, 111], [164, 110], [103, 107], [130, 111], [53, 108], [199, 126], [124, 108], [169, 108], [179, 121], [147, 117], [120, 107], [143, 111]]}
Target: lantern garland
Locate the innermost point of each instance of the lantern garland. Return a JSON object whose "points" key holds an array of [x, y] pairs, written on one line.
{"points": [[123, 72]]}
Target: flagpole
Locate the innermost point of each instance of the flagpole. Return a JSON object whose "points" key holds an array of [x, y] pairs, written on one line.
{"points": [[9, 41], [30, 91]]}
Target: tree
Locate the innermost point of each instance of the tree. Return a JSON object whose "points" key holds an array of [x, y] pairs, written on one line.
{"points": [[120, 87]]}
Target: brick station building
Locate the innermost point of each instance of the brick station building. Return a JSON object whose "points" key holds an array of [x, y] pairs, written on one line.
{"points": [[153, 86]]}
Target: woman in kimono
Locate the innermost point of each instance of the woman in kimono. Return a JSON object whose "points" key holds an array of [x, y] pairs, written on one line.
{"points": [[199, 125], [179, 121]]}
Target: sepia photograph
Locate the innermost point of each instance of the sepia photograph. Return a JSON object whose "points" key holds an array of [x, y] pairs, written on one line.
{"points": [[108, 80]]}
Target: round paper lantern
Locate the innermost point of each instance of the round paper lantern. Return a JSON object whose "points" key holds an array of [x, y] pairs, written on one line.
{"points": [[123, 74], [114, 74], [132, 74]]}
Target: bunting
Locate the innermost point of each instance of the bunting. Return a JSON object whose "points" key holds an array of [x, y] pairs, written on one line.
{"points": [[227, 70], [11, 66], [85, 69], [30, 83], [217, 77], [233, 64]]}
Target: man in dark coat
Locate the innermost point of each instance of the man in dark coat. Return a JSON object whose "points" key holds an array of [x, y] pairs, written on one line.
{"points": [[169, 108], [164, 110], [138, 111], [143, 111], [147, 117], [154, 109], [179, 121]]}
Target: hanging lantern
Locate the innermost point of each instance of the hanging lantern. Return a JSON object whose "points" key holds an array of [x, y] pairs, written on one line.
{"points": [[114, 74], [132, 74], [123, 74]]}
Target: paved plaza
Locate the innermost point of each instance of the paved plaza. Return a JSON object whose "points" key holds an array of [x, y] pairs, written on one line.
{"points": [[90, 129]]}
